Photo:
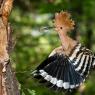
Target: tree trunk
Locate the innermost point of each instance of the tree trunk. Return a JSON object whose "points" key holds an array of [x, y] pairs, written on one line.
{"points": [[8, 82]]}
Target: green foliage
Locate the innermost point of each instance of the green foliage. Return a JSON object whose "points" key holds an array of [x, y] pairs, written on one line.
{"points": [[34, 45]]}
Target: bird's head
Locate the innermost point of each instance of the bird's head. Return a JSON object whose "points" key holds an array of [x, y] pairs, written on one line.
{"points": [[63, 22]]}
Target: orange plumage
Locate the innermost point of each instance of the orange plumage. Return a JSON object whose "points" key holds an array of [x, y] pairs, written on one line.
{"points": [[63, 24], [63, 19], [67, 66]]}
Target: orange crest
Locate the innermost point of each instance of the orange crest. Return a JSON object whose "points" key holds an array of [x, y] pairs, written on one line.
{"points": [[63, 19]]}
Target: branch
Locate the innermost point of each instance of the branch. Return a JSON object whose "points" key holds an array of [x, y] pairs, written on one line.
{"points": [[8, 82]]}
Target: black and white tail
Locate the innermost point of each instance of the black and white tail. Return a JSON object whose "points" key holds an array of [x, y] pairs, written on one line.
{"points": [[63, 72]]}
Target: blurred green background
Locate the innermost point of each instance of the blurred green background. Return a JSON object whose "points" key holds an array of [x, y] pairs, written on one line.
{"points": [[33, 44]]}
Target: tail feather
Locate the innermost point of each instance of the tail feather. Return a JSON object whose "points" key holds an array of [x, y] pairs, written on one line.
{"points": [[54, 73], [66, 78], [58, 73], [76, 79], [46, 62], [50, 67]]}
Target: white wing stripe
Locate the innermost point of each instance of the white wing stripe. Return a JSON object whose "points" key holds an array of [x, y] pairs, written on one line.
{"points": [[81, 63], [87, 59], [75, 52], [77, 60], [55, 81]]}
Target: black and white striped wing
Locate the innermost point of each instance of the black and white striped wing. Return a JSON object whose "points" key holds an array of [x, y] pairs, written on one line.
{"points": [[83, 60], [59, 71]]}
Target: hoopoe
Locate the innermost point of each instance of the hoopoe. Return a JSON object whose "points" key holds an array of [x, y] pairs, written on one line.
{"points": [[67, 67]]}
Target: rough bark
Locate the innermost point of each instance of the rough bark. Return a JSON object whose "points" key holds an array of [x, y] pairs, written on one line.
{"points": [[8, 82]]}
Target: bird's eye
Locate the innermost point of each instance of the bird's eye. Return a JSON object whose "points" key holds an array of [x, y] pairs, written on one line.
{"points": [[60, 27]]}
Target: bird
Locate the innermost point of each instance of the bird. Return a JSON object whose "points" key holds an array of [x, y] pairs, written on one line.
{"points": [[68, 66]]}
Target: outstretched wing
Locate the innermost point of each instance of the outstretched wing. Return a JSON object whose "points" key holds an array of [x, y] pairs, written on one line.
{"points": [[60, 71]]}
